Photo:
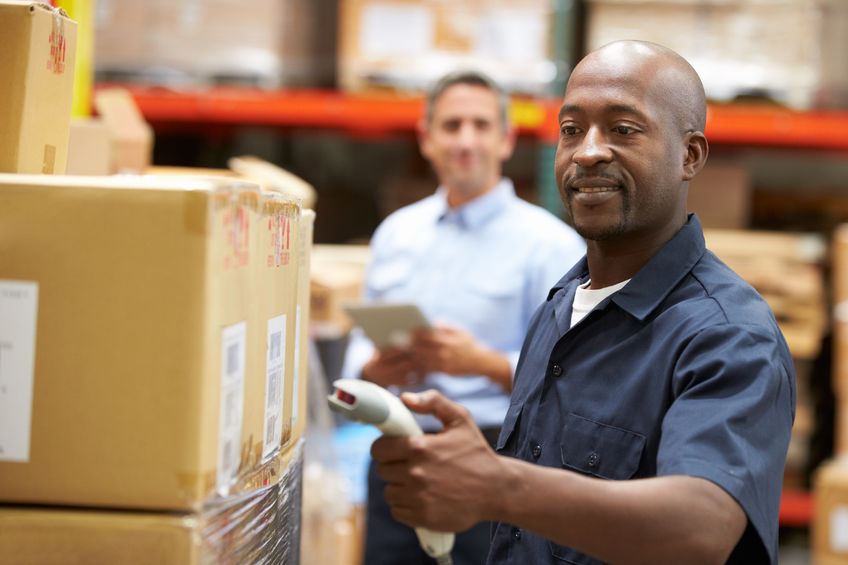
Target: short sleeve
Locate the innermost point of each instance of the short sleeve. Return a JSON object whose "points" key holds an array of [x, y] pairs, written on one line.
{"points": [[731, 418]]}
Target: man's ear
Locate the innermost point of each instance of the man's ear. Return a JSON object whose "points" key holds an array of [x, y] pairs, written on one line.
{"points": [[423, 134], [508, 143], [697, 150]]}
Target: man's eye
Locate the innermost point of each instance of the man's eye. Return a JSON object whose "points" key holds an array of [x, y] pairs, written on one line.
{"points": [[568, 130], [623, 130]]}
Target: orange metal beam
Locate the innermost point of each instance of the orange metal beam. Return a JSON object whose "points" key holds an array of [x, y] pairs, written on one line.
{"points": [[755, 125]]}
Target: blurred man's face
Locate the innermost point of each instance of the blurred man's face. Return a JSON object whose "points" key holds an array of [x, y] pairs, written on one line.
{"points": [[465, 142]]}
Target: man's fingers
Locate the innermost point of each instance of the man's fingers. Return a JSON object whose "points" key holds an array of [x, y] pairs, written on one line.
{"points": [[437, 404], [387, 449]]}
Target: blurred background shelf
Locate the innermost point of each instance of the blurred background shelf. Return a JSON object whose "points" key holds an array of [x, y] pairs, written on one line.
{"points": [[744, 124], [797, 509]]}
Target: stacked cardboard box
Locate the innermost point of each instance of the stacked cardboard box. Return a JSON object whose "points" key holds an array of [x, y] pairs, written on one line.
{"points": [[786, 269], [147, 327], [406, 45], [37, 66], [260, 527], [336, 277], [840, 336], [789, 50], [830, 524]]}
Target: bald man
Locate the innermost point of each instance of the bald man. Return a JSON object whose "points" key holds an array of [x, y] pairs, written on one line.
{"points": [[654, 397]]}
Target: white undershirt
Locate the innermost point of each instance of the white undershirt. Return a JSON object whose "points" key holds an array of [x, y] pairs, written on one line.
{"points": [[585, 299]]}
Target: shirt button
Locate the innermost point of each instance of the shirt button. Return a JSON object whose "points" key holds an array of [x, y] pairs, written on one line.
{"points": [[593, 460], [516, 533], [556, 370], [537, 450]]}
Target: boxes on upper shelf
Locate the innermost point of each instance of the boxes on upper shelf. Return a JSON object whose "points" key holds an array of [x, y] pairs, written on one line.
{"points": [[406, 45], [788, 50], [134, 369], [37, 66], [268, 43]]}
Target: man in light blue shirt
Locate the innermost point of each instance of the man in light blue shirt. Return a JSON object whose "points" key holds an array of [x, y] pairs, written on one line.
{"points": [[477, 260]]}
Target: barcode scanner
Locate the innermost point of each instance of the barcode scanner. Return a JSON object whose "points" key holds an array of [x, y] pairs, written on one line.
{"points": [[368, 403]]}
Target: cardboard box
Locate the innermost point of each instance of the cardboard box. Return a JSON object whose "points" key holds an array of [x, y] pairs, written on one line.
{"points": [[267, 42], [337, 273], [124, 322], [89, 148], [37, 66], [274, 178], [407, 45], [829, 528], [839, 286], [302, 317], [788, 50], [274, 265], [272, 311], [131, 135], [259, 527], [786, 269], [721, 195]]}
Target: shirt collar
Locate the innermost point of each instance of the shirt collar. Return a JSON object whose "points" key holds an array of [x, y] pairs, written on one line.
{"points": [[650, 286], [476, 212]]}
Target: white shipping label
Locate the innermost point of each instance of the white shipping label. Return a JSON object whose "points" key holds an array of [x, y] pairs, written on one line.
{"points": [[396, 30], [275, 383], [18, 315], [839, 529], [296, 376], [231, 411]]}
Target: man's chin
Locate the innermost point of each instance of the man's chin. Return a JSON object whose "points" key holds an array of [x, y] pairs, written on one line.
{"points": [[598, 231], [468, 186]]}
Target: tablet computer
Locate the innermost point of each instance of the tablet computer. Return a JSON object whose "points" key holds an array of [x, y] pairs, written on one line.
{"points": [[387, 325]]}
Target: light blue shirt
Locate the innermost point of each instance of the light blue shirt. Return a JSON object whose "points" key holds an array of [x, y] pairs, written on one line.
{"points": [[484, 267]]}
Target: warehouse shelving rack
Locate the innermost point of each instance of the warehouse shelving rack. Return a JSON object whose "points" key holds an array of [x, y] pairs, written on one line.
{"points": [[383, 114]]}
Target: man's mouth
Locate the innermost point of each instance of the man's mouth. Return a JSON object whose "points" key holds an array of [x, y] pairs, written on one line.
{"points": [[589, 185], [591, 189]]}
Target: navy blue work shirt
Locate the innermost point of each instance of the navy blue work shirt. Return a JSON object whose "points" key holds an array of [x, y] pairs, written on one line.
{"points": [[681, 372]]}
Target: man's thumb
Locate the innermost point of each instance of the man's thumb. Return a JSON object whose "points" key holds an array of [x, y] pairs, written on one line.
{"points": [[435, 403]]}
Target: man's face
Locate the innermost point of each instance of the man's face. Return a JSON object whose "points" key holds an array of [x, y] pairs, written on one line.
{"points": [[619, 160], [465, 142]]}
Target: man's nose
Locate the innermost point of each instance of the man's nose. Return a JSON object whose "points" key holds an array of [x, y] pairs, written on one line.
{"points": [[467, 134], [593, 149]]}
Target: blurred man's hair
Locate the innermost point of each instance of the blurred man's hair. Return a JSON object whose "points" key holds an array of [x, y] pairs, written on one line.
{"points": [[474, 78]]}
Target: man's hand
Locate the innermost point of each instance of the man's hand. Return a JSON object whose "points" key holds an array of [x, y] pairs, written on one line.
{"points": [[446, 350], [393, 366], [443, 481], [457, 352]]}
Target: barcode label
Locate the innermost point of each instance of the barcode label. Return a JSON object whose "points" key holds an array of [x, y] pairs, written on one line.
{"points": [[274, 385], [231, 410], [18, 317], [232, 359], [297, 361]]}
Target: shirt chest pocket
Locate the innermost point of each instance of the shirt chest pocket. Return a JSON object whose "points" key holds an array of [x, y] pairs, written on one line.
{"points": [[600, 450], [493, 299], [389, 276]]}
